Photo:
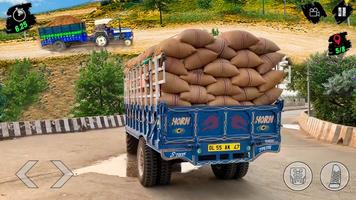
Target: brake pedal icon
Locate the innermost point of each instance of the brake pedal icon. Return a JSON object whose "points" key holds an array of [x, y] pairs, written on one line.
{"points": [[335, 181], [297, 175]]}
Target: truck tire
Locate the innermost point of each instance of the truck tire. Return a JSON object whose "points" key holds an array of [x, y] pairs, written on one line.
{"points": [[224, 171], [241, 170], [164, 172], [59, 46], [147, 164], [131, 144], [128, 42], [101, 40]]}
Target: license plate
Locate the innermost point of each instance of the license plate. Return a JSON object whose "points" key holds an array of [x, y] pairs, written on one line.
{"points": [[224, 147]]}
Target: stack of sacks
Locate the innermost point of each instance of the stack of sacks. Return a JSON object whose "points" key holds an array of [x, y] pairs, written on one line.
{"points": [[234, 69]]}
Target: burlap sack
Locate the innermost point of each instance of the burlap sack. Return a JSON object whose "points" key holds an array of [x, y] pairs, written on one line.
{"points": [[221, 68], [220, 47], [247, 77], [264, 46], [173, 84], [196, 37], [247, 103], [239, 39], [175, 66], [200, 59], [197, 95], [270, 60], [272, 78], [246, 59], [223, 87], [223, 101], [268, 97], [173, 100], [249, 93], [174, 48], [198, 77]]}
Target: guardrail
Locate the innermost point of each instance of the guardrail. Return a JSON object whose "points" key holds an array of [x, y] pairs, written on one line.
{"points": [[327, 131], [71, 125]]}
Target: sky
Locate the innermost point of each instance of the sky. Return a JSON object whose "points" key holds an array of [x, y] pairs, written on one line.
{"points": [[39, 5]]}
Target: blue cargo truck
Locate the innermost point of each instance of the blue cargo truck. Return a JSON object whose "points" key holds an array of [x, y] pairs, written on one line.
{"points": [[225, 137]]}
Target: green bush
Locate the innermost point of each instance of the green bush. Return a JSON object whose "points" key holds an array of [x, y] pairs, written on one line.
{"points": [[2, 102], [204, 4], [99, 90], [21, 89], [331, 104]]}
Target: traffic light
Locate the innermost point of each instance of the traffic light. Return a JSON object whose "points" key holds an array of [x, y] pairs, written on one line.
{"points": [[19, 18]]}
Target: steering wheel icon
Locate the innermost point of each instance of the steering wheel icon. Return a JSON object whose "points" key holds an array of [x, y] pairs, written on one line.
{"points": [[19, 15]]}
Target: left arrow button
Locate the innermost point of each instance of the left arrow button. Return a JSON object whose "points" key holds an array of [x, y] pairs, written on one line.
{"points": [[21, 174]]}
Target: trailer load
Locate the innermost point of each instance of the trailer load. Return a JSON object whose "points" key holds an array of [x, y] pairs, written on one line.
{"points": [[204, 100], [236, 68]]}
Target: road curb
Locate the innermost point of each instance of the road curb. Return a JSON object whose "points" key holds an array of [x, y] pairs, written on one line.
{"points": [[327, 131], [71, 125]]}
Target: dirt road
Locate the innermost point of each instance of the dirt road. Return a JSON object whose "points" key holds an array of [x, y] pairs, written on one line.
{"points": [[264, 180], [297, 42]]}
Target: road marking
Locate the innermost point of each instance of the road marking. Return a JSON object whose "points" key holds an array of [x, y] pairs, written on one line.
{"points": [[291, 126]]}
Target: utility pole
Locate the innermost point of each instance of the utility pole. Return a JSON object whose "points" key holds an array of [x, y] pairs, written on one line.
{"points": [[263, 7], [285, 7]]}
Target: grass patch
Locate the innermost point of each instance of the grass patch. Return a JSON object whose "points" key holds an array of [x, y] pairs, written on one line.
{"points": [[192, 16], [5, 37]]}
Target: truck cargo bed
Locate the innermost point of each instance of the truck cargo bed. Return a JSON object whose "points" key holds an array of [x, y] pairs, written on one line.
{"points": [[206, 134]]}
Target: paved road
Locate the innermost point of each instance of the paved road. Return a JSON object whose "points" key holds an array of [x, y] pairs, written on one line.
{"points": [[264, 180], [297, 42]]}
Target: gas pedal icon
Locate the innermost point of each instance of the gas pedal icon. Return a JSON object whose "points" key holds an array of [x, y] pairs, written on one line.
{"points": [[334, 176], [335, 181]]}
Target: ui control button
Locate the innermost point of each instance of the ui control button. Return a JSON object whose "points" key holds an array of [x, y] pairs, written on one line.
{"points": [[334, 176], [298, 176]]}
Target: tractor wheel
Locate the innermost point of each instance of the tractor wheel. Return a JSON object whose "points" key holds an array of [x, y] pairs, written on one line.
{"points": [[128, 42], [164, 172], [241, 170], [147, 164], [224, 171], [131, 144], [101, 40], [59, 46]]}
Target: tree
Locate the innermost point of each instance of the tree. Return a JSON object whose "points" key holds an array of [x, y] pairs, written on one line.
{"points": [[329, 89], [204, 4], [21, 89], [161, 5], [236, 2], [99, 90]]}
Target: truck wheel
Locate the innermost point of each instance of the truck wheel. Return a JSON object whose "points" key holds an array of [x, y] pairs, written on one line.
{"points": [[59, 45], [101, 40], [224, 171], [164, 172], [147, 164], [241, 170], [131, 144], [128, 42]]}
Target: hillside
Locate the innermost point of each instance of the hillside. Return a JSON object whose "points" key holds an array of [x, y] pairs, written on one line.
{"points": [[137, 16]]}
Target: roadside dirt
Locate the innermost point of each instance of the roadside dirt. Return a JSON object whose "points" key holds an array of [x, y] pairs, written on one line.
{"points": [[296, 41]]}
